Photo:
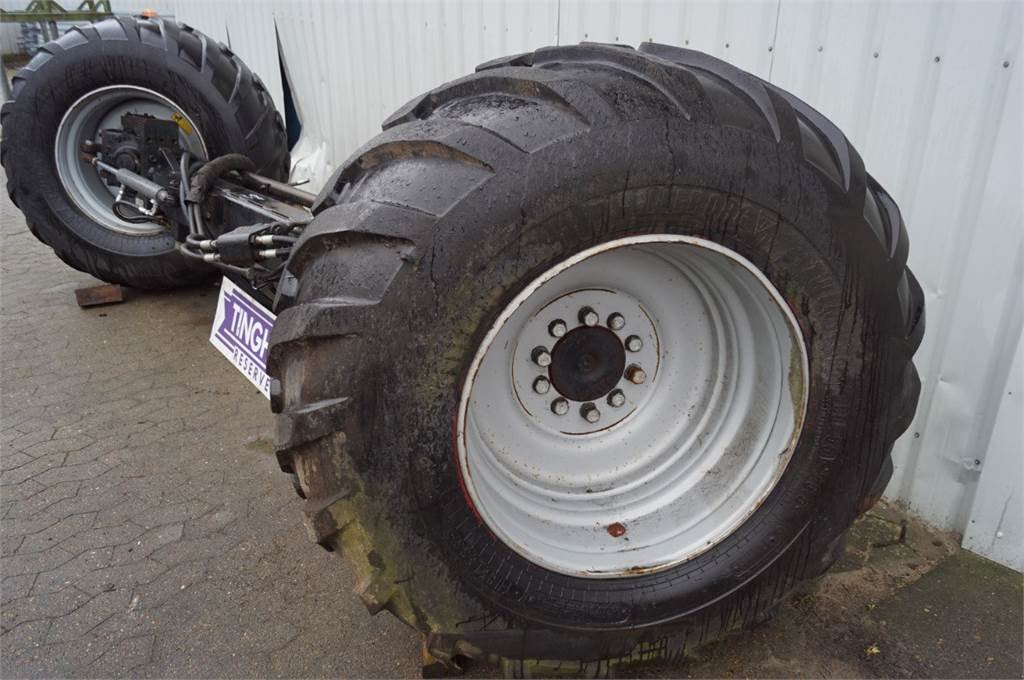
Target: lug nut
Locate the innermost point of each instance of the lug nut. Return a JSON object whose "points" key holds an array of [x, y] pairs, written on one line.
{"points": [[557, 328], [636, 375], [616, 322], [590, 413], [541, 385], [559, 407], [541, 357], [616, 398], [588, 317], [634, 343]]}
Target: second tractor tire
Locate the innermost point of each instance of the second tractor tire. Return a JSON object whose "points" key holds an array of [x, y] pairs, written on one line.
{"points": [[229, 105]]}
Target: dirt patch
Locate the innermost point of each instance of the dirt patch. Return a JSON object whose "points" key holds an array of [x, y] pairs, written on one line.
{"points": [[833, 626], [962, 620], [261, 445]]}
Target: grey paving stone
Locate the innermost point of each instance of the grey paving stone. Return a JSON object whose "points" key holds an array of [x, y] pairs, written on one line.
{"points": [[120, 534], [172, 583], [124, 656], [35, 467], [181, 552], [92, 613], [72, 573], [23, 491], [16, 641], [123, 576], [50, 606], [165, 514], [34, 563], [71, 473], [59, 531], [35, 505], [148, 542], [14, 459], [14, 587], [59, 660]]}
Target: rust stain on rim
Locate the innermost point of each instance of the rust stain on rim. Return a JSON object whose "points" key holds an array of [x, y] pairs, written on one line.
{"points": [[616, 529]]}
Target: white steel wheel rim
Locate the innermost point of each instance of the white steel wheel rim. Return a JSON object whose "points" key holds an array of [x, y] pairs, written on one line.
{"points": [[691, 451]]}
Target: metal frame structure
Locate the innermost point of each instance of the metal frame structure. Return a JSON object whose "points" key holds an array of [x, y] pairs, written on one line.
{"points": [[46, 11]]}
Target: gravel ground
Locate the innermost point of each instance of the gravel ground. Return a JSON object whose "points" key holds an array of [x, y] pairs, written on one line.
{"points": [[145, 529]]}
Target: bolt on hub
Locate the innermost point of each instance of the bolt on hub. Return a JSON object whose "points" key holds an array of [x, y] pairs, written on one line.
{"points": [[636, 375], [560, 406], [583, 341], [588, 317], [590, 413], [557, 328]]}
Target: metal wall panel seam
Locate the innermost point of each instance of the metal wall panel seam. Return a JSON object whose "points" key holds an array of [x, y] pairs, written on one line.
{"points": [[986, 134], [996, 526]]}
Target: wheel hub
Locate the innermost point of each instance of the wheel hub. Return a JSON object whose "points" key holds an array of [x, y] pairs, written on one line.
{"points": [[103, 109], [587, 363], [126, 156], [575, 356]]}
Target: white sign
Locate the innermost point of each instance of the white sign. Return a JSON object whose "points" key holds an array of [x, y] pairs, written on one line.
{"points": [[241, 331]]}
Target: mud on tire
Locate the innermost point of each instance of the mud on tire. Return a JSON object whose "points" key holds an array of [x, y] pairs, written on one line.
{"points": [[473, 190]]}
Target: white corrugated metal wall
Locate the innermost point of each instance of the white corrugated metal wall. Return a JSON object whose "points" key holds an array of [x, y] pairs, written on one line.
{"points": [[9, 32], [9, 38], [930, 93]]}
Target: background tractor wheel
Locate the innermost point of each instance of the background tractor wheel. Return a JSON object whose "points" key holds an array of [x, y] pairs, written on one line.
{"points": [[84, 82], [594, 354]]}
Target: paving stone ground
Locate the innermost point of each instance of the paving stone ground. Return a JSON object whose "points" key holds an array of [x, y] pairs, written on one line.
{"points": [[145, 530]]}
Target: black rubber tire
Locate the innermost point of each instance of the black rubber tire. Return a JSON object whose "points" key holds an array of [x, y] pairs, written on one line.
{"points": [[228, 104], [473, 190]]}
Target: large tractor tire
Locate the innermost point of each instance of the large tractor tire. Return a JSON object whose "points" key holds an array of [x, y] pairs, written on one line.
{"points": [[592, 355], [84, 82]]}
